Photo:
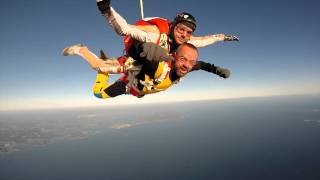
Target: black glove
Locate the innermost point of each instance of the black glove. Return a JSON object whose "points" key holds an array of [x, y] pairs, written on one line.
{"points": [[231, 38], [153, 52], [222, 72], [103, 5]]}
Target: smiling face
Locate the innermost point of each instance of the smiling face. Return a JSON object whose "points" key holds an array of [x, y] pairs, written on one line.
{"points": [[185, 58], [182, 33]]}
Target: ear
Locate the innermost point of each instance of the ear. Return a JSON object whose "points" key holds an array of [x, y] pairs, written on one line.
{"points": [[171, 28]]}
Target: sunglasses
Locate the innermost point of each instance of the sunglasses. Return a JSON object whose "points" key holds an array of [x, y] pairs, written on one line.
{"points": [[184, 29]]}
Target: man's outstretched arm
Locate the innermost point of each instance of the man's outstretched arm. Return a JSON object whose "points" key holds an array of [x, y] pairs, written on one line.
{"points": [[201, 41], [148, 52], [122, 28], [222, 72]]}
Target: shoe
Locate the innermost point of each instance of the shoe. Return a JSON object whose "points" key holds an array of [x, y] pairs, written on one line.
{"points": [[103, 56], [72, 50]]}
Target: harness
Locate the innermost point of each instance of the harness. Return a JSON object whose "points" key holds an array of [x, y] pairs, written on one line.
{"points": [[132, 70], [138, 87], [165, 70]]}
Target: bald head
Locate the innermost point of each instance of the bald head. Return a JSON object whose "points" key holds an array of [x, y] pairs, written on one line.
{"points": [[186, 58]]}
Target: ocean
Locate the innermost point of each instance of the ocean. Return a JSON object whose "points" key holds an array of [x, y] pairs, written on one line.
{"points": [[247, 138]]}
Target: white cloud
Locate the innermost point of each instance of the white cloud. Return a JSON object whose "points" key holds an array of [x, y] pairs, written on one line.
{"points": [[308, 120], [121, 126], [87, 116]]}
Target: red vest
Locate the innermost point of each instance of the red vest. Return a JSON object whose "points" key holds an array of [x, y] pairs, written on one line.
{"points": [[162, 25]]}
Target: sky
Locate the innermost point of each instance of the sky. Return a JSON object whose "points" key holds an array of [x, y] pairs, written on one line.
{"points": [[278, 52]]}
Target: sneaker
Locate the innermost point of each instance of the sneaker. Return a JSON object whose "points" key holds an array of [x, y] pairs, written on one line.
{"points": [[103, 56], [72, 50]]}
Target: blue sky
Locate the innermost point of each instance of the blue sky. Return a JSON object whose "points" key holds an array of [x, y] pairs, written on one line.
{"points": [[278, 53]]}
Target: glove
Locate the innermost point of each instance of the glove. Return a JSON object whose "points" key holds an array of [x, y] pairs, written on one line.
{"points": [[153, 52], [231, 38], [222, 72], [103, 5]]}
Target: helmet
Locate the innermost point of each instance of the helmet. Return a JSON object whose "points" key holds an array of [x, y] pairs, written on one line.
{"points": [[186, 18]]}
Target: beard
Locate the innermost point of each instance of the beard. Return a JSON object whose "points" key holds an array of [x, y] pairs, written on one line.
{"points": [[181, 71]]}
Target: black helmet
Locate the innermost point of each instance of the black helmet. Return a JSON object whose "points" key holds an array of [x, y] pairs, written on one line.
{"points": [[189, 20]]}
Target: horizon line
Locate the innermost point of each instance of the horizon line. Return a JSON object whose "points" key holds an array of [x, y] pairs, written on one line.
{"points": [[106, 104]]}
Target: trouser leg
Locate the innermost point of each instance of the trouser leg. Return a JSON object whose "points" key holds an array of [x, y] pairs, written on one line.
{"points": [[102, 90]]}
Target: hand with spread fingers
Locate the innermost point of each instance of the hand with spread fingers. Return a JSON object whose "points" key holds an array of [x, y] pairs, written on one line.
{"points": [[231, 38]]}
